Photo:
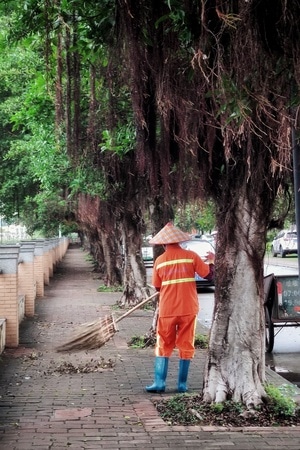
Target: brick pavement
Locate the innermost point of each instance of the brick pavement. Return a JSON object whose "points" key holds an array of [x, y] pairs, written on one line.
{"points": [[43, 407]]}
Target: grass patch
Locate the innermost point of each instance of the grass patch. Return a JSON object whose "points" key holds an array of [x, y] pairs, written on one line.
{"points": [[280, 401], [141, 342], [190, 409], [201, 341], [104, 288]]}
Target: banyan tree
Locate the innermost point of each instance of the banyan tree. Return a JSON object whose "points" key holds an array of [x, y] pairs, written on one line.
{"points": [[211, 88], [214, 84]]}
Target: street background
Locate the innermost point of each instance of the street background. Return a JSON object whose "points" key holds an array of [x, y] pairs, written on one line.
{"points": [[285, 357]]}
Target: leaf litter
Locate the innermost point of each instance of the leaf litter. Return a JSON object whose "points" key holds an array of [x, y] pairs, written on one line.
{"points": [[190, 409]]}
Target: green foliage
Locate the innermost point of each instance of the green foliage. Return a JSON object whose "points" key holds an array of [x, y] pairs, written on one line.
{"points": [[46, 163], [89, 180], [175, 410], [280, 401], [104, 288], [36, 177], [218, 408], [201, 341], [195, 216], [18, 68], [142, 341], [179, 21], [88, 257], [137, 342], [34, 170], [175, 405], [120, 142], [44, 212], [207, 220], [189, 409], [67, 228], [236, 107]]}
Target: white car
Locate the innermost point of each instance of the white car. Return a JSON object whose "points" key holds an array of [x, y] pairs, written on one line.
{"points": [[285, 243], [147, 254], [201, 247]]}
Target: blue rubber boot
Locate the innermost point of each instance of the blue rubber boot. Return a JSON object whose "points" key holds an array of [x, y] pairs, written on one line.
{"points": [[184, 365], [160, 375]]}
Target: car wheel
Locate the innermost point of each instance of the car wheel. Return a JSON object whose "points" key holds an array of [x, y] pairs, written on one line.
{"points": [[273, 252], [282, 252]]}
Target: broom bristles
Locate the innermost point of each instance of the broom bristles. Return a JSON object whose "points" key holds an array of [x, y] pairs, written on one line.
{"points": [[91, 335]]}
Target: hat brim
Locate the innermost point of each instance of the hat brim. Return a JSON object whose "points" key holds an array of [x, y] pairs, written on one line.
{"points": [[169, 235]]}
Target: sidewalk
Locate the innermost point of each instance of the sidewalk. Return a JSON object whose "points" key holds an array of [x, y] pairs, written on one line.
{"points": [[45, 406]]}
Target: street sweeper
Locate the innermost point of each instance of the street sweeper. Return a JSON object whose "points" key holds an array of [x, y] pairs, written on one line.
{"points": [[174, 278]]}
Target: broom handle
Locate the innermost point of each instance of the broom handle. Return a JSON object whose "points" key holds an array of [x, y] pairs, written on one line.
{"points": [[139, 305]]}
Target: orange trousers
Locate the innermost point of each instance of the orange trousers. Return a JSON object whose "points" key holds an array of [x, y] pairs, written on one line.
{"points": [[176, 332]]}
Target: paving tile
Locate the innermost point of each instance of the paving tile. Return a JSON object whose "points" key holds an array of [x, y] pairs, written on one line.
{"points": [[42, 408]]}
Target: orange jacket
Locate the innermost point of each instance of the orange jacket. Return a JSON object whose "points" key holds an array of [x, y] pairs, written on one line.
{"points": [[174, 275]]}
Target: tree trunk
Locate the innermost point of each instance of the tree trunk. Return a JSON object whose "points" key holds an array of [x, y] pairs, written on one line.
{"points": [[235, 367], [112, 259], [99, 225], [134, 274]]}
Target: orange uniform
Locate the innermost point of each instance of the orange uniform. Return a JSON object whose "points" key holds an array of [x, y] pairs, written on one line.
{"points": [[174, 276]]}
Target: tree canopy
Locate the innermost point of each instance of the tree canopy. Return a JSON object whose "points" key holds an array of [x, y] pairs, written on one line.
{"points": [[139, 107]]}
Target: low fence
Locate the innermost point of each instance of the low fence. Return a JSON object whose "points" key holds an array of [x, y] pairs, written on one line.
{"points": [[25, 269]]}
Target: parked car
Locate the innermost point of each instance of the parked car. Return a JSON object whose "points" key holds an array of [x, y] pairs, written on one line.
{"points": [[147, 254], [208, 237], [285, 243], [201, 247]]}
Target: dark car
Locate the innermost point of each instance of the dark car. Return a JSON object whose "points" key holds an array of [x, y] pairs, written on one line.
{"points": [[201, 247]]}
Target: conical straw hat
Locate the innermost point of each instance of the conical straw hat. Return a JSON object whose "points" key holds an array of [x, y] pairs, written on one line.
{"points": [[169, 234]]}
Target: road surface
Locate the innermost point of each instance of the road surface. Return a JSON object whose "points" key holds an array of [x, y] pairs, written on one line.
{"points": [[285, 358]]}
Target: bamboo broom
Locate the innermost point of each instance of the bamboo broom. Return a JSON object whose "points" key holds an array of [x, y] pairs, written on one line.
{"points": [[96, 334]]}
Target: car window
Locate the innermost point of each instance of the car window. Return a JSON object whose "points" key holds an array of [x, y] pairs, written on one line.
{"points": [[292, 235], [286, 234], [199, 247]]}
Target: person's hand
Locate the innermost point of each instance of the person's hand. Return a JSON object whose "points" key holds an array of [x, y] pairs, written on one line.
{"points": [[210, 258]]}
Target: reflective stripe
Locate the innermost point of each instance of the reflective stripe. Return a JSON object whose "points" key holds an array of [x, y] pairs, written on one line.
{"points": [[174, 261], [179, 280]]}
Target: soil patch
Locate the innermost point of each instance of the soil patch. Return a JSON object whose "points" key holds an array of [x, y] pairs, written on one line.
{"points": [[184, 409]]}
